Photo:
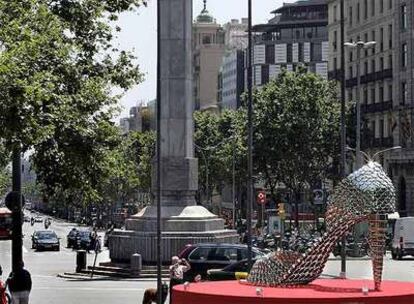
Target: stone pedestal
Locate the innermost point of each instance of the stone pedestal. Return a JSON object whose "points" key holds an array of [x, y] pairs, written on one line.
{"points": [[182, 221], [180, 225]]}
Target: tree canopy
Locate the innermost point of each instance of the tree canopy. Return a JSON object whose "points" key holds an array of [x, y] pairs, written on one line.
{"points": [[58, 68]]}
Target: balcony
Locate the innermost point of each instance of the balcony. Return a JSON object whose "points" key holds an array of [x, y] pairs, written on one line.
{"points": [[371, 77], [376, 107], [385, 142]]}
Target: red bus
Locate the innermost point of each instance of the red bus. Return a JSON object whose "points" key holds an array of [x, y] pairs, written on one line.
{"points": [[5, 224]]}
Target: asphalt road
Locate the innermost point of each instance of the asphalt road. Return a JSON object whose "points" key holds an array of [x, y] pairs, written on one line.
{"points": [[49, 289], [44, 267]]}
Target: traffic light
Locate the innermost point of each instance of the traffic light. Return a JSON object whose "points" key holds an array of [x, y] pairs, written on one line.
{"points": [[281, 210], [261, 197]]}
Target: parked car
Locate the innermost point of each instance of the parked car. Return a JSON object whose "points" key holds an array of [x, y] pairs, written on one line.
{"points": [[403, 240], [234, 271], [83, 239], [26, 219], [72, 238], [205, 256], [45, 239]]}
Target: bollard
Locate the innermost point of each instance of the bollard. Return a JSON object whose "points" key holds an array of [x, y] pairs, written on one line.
{"points": [[136, 264], [80, 260]]}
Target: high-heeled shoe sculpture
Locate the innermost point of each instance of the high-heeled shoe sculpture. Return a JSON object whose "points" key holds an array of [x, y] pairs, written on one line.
{"points": [[365, 195]]}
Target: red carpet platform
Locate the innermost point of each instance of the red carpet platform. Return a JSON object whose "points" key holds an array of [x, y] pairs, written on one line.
{"points": [[322, 291]]}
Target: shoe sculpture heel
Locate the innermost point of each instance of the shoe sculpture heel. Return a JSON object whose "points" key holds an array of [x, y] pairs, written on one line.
{"points": [[366, 194], [376, 242]]}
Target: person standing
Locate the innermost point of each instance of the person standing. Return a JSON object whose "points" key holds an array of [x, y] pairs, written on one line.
{"points": [[20, 285], [177, 269]]}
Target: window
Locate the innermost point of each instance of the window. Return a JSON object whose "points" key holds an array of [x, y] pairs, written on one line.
{"points": [[225, 254], [381, 39], [335, 63], [381, 6], [365, 95], [289, 52], [201, 254], [390, 61], [351, 73], [366, 67], [373, 66], [404, 93], [404, 55], [381, 94], [390, 4], [390, 91], [381, 67], [335, 13], [358, 12], [373, 95], [373, 129], [365, 40], [270, 53], [350, 16], [373, 7], [335, 41], [373, 39], [404, 16], [390, 36], [365, 9], [206, 39], [381, 128]]}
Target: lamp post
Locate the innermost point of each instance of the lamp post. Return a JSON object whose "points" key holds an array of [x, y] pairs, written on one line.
{"points": [[250, 137], [359, 45]]}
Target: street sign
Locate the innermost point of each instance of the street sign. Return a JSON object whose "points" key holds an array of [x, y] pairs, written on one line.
{"points": [[261, 197]]}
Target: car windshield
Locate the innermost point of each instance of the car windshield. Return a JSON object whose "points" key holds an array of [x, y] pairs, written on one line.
{"points": [[84, 233], [46, 235]]}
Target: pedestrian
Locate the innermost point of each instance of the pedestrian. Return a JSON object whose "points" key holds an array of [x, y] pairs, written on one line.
{"points": [[177, 269], [3, 299], [20, 285]]}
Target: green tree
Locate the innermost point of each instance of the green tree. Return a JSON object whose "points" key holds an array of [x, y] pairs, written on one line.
{"points": [[58, 68], [297, 130], [220, 140]]}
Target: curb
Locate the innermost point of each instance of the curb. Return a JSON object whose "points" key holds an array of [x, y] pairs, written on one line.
{"points": [[79, 277]]}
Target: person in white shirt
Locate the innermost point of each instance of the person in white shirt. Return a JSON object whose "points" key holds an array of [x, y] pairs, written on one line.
{"points": [[177, 269]]}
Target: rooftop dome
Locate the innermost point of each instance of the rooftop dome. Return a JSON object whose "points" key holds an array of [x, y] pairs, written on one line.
{"points": [[205, 16]]}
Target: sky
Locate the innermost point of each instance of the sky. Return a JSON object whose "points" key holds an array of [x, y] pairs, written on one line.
{"points": [[139, 34]]}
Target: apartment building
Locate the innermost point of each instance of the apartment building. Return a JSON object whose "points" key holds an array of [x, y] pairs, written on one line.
{"points": [[296, 35], [386, 81]]}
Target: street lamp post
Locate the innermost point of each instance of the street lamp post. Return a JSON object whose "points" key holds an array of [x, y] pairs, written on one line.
{"points": [[250, 136], [359, 45]]}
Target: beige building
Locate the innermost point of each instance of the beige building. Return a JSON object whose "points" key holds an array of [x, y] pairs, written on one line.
{"points": [[208, 50], [386, 81]]}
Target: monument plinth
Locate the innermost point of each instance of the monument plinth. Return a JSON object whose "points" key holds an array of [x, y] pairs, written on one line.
{"points": [[182, 221]]}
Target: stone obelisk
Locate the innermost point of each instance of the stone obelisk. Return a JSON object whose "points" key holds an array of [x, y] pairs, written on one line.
{"points": [[182, 221]]}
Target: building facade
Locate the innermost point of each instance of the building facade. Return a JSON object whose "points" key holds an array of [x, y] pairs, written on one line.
{"points": [[296, 35], [208, 51], [386, 77]]}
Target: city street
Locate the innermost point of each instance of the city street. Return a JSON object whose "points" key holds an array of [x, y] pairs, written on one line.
{"points": [[48, 288], [46, 265]]}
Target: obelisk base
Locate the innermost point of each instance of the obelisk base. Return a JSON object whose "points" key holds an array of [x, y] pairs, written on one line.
{"points": [[180, 226]]}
